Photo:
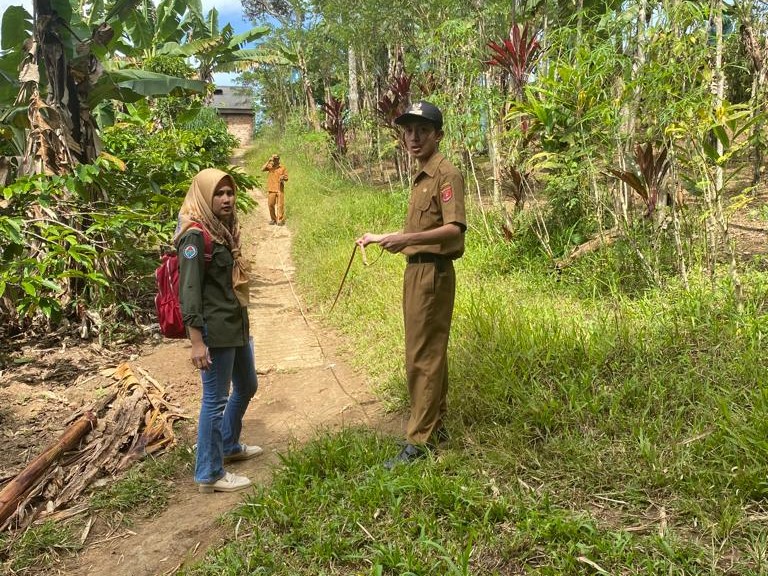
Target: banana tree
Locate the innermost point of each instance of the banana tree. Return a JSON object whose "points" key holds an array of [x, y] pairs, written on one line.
{"points": [[219, 49], [293, 15], [64, 76], [151, 29]]}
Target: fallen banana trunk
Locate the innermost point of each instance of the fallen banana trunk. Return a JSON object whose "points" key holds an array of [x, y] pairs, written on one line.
{"points": [[12, 495], [137, 420], [606, 238]]}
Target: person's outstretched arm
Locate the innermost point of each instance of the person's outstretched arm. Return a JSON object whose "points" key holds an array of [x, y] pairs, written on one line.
{"points": [[395, 241]]}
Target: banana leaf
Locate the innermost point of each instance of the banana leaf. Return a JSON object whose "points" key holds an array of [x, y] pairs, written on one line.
{"points": [[16, 27], [131, 85], [249, 36]]}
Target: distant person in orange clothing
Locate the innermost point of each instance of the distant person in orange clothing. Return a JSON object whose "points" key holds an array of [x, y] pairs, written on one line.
{"points": [[276, 180]]}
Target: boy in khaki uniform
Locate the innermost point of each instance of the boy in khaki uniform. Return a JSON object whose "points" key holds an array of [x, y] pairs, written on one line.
{"points": [[276, 179], [432, 239]]}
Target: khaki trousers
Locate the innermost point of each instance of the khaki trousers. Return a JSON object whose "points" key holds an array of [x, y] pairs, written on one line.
{"points": [[276, 200], [429, 291]]}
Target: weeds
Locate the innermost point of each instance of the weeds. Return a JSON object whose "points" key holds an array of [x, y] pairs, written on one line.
{"points": [[145, 489], [37, 547]]}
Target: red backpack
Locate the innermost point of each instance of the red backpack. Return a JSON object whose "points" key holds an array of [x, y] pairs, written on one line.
{"points": [[167, 297]]}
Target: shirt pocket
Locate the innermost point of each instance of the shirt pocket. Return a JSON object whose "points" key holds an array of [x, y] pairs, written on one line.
{"points": [[221, 268], [423, 211], [222, 259]]}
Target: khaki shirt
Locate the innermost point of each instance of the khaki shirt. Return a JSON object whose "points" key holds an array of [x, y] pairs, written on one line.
{"points": [[206, 296], [437, 198], [276, 177]]}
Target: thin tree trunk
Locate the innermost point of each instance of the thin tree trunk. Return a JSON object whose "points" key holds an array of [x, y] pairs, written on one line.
{"points": [[492, 134], [757, 56], [676, 233], [579, 19], [354, 98], [716, 190], [369, 87], [630, 112], [494, 153]]}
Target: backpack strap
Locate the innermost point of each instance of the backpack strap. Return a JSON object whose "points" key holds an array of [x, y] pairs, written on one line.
{"points": [[207, 242]]}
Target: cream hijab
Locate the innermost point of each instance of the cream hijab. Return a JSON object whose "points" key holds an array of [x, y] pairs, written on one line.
{"points": [[196, 209]]}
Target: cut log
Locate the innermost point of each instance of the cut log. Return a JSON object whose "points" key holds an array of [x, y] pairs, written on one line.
{"points": [[13, 493]]}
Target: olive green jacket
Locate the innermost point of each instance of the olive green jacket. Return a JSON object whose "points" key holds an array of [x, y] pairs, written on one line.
{"points": [[207, 299]]}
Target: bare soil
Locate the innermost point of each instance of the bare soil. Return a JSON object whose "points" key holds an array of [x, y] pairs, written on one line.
{"points": [[305, 389]]}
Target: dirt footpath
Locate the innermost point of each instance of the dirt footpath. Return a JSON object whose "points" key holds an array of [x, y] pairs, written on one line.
{"points": [[304, 389]]}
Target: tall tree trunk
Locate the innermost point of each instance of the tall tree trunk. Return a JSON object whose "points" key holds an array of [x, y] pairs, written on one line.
{"points": [[716, 189], [723, 218], [623, 202], [579, 19], [309, 96], [354, 98], [494, 147], [369, 87], [713, 188], [756, 53]]}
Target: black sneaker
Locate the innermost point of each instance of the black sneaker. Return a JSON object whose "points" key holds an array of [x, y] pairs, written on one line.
{"points": [[408, 455]]}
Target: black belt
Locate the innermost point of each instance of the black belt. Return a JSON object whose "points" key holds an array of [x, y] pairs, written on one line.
{"points": [[425, 258]]}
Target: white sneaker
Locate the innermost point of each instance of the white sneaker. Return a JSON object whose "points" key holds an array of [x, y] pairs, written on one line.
{"points": [[246, 453], [227, 483]]}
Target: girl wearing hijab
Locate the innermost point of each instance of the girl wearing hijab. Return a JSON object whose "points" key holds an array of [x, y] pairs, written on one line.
{"points": [[213, 292]]}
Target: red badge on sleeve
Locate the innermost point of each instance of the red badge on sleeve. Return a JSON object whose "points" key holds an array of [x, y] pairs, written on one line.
{"points": [[446, 193]]}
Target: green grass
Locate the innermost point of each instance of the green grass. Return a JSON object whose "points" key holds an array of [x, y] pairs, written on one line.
{"points": [[145, 489], [37, 548], [595, 429]]}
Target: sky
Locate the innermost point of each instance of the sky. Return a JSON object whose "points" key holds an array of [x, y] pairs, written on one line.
{"points": [[230, 11]]}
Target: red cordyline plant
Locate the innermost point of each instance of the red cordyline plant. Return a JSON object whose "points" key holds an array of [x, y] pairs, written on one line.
{"points": [[395, 100], [516, 55], [334, 123], [653, 170], [515, 183]]}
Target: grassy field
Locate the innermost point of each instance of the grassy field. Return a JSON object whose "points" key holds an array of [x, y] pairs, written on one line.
{"points": [[592, 433]]}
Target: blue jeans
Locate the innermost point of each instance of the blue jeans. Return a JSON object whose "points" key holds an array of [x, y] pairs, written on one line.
{"points": [[221, 413]]}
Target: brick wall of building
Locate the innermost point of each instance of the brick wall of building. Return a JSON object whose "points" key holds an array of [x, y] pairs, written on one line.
{"points": [[241, 127]]}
